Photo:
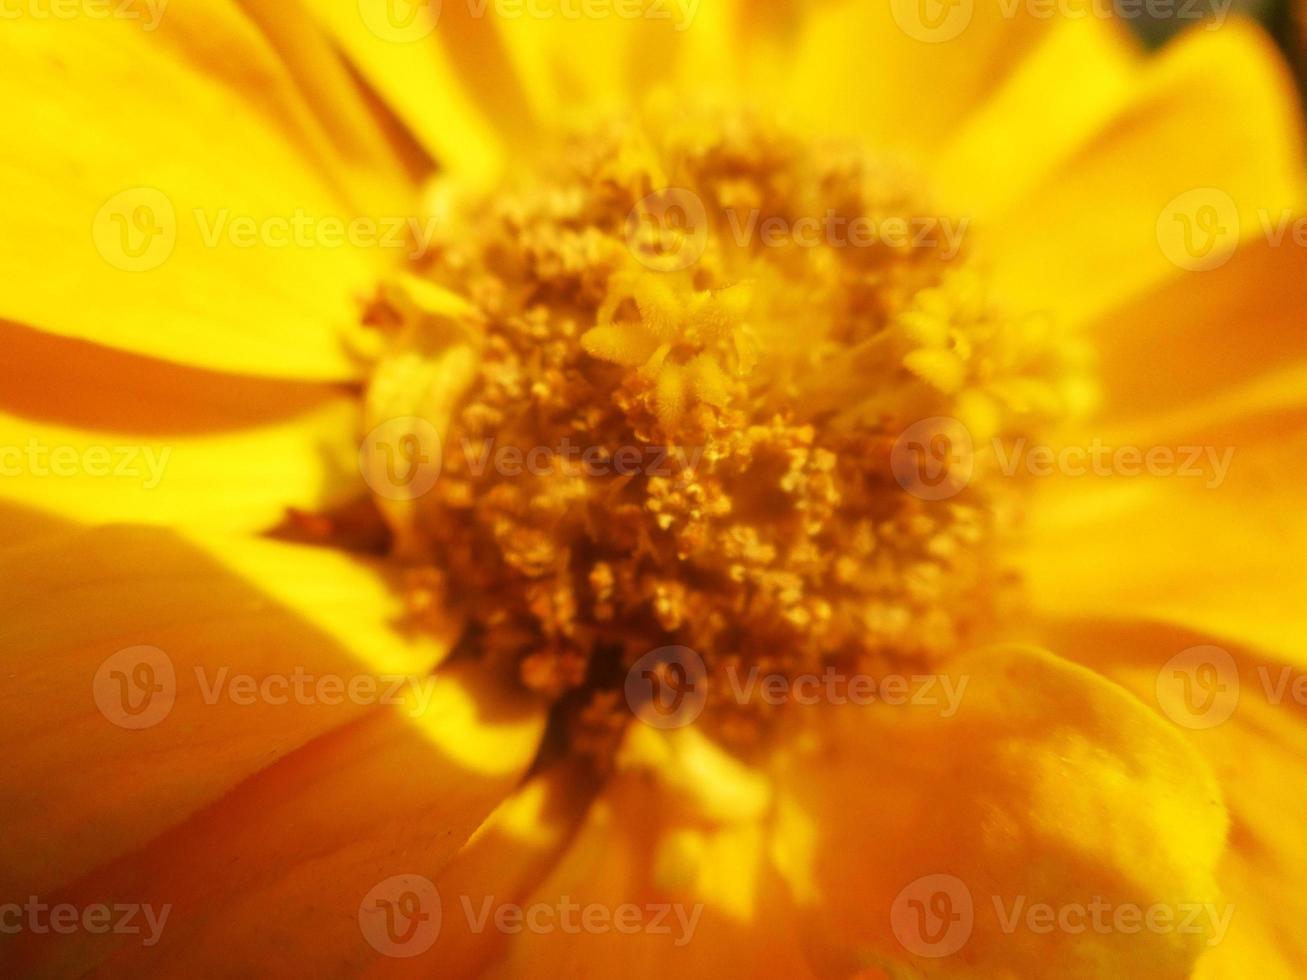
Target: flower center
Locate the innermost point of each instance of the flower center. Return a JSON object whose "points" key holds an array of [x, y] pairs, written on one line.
{"points": [[701, 384]]}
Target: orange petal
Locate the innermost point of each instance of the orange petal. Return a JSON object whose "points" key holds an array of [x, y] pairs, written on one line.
{"points": [[647, 890], [506, 858], [1213, 131], [1207, 333], [146, 673], [283, 876], [1252, 740], [922, 842]]}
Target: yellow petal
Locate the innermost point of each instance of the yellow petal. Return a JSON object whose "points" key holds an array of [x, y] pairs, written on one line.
{"points": [[920, 839], [903, 74], [394, 44], [162, 198], [131, 657], [376, 157], [1209, 142], [1078, 74], [1206, 535], [100, 436]]}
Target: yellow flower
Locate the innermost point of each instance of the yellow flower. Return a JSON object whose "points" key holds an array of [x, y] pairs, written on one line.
{"points": [[580, 489]]}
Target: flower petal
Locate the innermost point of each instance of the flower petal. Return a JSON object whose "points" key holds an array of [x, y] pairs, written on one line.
{"points": [[654, 892], [99, 436], [1206, 334], [1080, 72], [274, 878], [917, 841], [948, 56], [1206, 537], [1214, 116], [503, 862], [395, 47], [162, 197], [1251, 749], [147, 672]]}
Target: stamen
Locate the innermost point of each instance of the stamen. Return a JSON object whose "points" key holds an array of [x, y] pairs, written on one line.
{"points": [[701, 455]]}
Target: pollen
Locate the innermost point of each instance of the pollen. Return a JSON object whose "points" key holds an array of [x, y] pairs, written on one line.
{"points": [[696, 345]]}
